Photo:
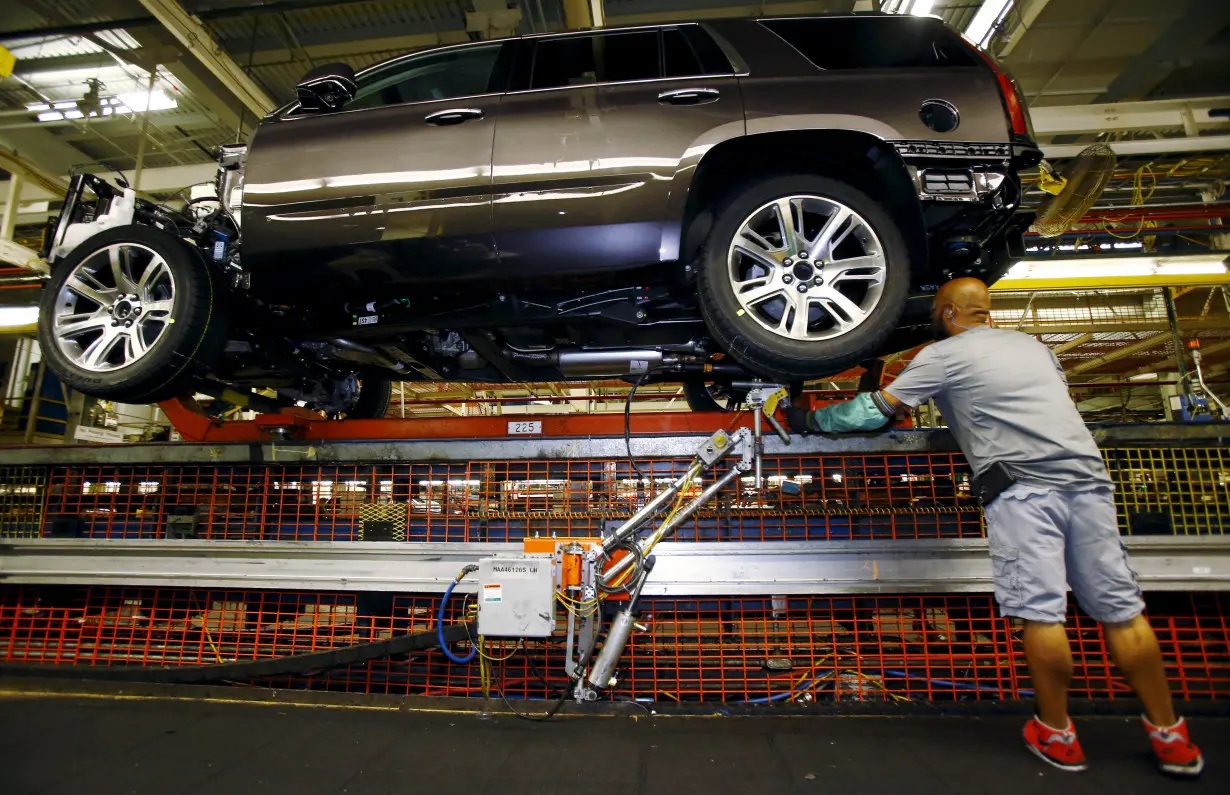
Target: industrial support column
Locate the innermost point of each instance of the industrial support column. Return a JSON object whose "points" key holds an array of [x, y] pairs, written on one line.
{"points": [[584, 14], [9, 224], [1172, 318]]}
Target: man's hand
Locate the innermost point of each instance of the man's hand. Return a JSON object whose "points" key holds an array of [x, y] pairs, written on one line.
{"points": [[796, 420]]}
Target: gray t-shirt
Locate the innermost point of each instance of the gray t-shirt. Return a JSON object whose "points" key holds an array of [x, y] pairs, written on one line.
{"points": [[1006, 399]]}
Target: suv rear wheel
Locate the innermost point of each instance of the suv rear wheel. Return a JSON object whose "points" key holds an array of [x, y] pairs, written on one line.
{"points": [[131, 315], [704, 395], [372, 402], [802, 276]]}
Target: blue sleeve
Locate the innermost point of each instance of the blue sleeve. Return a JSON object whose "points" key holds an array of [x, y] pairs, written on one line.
{"points": [[862, 413], [925, 378]]}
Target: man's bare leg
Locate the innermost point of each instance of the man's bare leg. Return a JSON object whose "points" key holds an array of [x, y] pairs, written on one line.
{"points": [[1133, 646], [1050, 668]]}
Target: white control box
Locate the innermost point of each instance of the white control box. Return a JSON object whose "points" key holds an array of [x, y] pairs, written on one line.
{"points": [[516, 597]]}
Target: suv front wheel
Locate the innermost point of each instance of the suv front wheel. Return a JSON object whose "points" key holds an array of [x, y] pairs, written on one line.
{"points": [[131, 315], [802, 276]]}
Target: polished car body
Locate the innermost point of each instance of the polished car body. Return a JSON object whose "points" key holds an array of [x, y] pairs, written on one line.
{"points": [[542, 207]]}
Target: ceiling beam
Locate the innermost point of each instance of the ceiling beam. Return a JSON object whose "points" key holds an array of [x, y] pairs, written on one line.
{"points": [[131, 22], [1131, 116], [1205, 351], [343, 49], [1119, 353], [198, 40], [91, 60], [1064, 347], [1028, 13], [1147, 71], [1153, 146]]}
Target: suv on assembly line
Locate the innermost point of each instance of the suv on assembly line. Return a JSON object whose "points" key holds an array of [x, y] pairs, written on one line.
{"points": [[703, 203]]}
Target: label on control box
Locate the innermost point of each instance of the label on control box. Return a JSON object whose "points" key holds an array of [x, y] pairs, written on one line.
{"points": [[493, 592], [514, 571]]}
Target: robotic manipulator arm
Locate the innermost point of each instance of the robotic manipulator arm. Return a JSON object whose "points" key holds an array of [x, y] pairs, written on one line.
{"points": [[630, 572]]}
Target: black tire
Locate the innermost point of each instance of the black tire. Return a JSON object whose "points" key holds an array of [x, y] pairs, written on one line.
{"points": [[700, 397], [186, 350], [774, 356], [375, 395]]}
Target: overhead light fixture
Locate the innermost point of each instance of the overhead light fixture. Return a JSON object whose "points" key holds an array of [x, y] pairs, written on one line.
{"points": [[979, 29], [922, 8], [1118, 267], [130, 102], [139, 101]]}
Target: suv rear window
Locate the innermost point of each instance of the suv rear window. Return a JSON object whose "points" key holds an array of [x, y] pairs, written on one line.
{"points": [[873, 42]]}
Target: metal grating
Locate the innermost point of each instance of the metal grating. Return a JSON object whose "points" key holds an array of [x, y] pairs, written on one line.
{"points": [[22, 491], [935, 648], [1159, 490]]}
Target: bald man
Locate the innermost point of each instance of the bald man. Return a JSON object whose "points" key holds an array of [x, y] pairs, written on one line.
{"points": [[1047, 498]]}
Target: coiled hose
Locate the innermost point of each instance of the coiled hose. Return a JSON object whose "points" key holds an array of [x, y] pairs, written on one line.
{"points": [[440, 621]]}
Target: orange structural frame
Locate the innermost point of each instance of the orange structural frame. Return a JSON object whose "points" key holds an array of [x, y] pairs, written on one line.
{"points": [[303, 425]]}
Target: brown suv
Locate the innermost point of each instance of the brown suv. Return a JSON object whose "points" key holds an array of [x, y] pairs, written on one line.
{"points": [[703, 203]]}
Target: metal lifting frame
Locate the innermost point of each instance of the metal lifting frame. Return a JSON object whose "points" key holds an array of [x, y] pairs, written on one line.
{"points": [[631, 572]]}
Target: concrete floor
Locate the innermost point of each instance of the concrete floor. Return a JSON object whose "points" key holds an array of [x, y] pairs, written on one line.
{"points": [[101, 746]]}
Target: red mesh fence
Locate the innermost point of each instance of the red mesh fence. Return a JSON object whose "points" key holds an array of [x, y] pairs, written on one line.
{"points": [[1158, 491], [932, 648]]}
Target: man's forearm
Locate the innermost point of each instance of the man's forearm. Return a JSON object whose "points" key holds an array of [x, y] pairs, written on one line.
{"points": [[868, 411]]}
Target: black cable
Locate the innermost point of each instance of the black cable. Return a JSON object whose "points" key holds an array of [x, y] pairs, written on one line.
{"points": [[537, 673], [563, 696], [633, 549], [251, 669], [628, 419]]}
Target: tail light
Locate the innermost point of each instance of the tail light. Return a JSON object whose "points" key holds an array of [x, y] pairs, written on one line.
{"points": [[1016, 109], [1010, 92]]}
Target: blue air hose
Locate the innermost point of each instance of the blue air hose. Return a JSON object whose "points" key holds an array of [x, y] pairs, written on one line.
{"points": [[440, 622]]}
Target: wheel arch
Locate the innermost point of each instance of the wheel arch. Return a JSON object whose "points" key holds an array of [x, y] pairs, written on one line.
{"points": [[862, 159]]}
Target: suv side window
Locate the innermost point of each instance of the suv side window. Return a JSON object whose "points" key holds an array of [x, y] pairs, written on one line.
{"points": [[678, 59], [873, 42], [460, 72], [602, 58], [682, 51]]}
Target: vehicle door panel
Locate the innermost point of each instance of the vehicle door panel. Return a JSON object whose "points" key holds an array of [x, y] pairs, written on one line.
{"points": [[583, 175], [371, 197]]}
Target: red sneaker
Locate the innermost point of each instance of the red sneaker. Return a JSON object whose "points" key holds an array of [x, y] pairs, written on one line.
{"points": [[1058, 748], [1175, 752]]}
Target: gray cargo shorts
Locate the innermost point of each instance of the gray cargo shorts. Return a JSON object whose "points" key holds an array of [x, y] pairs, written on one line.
{"points": [[1045, 540]]}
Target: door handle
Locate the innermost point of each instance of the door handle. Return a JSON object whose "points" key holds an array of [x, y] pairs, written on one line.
{"points": [[452, 116], [689, 96]]}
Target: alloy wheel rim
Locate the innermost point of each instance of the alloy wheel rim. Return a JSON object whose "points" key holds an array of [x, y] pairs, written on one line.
{"points": [[806, 268], [114, 307]]}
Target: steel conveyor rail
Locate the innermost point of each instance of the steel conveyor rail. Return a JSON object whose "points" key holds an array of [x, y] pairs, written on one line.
{"points": [[1187, 563], [559, 448]]}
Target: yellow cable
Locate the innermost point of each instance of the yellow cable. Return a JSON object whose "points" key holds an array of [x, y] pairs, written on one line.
{"points": [[1139, 197], [482, 641], [575, 608]]}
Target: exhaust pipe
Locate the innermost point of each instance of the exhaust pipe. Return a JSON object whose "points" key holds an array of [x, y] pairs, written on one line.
{"points": [[351, 351], [613, 363]]}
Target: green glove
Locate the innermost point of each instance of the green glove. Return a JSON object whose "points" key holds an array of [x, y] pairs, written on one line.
{"points": [[863, 413]]}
